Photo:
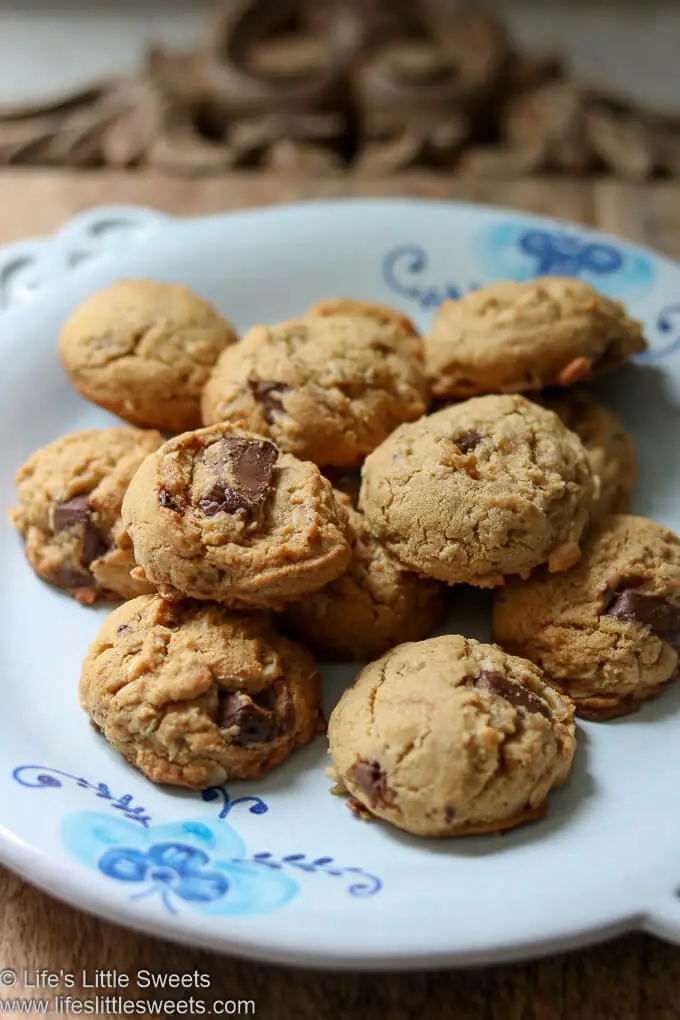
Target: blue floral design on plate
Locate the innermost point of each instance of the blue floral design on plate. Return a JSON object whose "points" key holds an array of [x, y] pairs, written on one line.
{"points": [[191, 863], [403, 271], [518, 250], [195, 863]]}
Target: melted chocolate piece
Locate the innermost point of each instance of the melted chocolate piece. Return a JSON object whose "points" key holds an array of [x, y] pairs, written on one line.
{"points": [[251, 715], [252, 468], [167, 500], [495, 683], [267, 394], [371, 780], [449, 813], [657, 614], [467, 442], [73, 513], [70, 578]]}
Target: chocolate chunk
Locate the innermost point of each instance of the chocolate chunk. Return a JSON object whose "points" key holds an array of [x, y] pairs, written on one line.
{"points": [[266, 394], [73, 513], [449, 813], [122, 628], [94, 545], [169, 501], [467, 442], [252, 468], [371, 780], [70, 578], [495, 683], [651, 611], [254, 719]]}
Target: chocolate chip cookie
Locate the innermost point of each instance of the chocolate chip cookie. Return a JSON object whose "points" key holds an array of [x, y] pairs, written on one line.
{"points": [[609, 447], [374, 605], [607, 632], [144, 350], [450, 737], [326, 389], [222, 514], [384, 314], [514, 337], [193, 695], [489, 487], [69, 513]]}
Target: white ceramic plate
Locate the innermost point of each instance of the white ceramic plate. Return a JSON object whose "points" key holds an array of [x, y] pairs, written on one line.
{"points": [[278, 869]]}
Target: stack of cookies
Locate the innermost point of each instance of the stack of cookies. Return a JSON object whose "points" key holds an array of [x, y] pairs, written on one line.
{"points": [[288, 496]]}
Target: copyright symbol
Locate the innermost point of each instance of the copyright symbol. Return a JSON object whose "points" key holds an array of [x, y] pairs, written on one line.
{"points": [[8, 977]]}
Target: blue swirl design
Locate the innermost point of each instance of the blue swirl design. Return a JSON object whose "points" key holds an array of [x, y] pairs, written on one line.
{"points": [[41, 777], [401, 268], [367, 884], [196, 864]]}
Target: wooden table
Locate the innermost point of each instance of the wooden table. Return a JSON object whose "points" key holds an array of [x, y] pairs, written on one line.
{"points": [[633, 978]]}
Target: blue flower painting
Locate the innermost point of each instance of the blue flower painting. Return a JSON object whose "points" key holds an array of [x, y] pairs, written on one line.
{"points": [[518, 250], [193, 864]]}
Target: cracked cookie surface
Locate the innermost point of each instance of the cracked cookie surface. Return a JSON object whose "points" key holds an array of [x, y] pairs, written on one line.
{"points": [[489, 487], [374, 605], [607, 632], [69, 513], [609, 447], [194, 695], [325, 388], [451, 737], [386, 315], [514, 337], [222, 514], [144, 350]]}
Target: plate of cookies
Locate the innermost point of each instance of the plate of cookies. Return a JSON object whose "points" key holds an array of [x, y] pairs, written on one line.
{"points": [[340, 614]]}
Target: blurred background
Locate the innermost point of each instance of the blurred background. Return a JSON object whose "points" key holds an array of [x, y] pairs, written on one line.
{"points": [[501, 88]]}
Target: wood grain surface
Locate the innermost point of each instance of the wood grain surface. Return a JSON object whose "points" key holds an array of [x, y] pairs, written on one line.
{"points": [[632, 978]]}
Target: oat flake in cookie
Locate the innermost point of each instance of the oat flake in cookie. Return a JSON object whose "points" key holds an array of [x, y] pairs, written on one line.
{"points": [[450, 737], [144, 350], [222, 514], [489, 487], [514, 337], [325, 388], [194, 695], [69, 513], [608, 632]]}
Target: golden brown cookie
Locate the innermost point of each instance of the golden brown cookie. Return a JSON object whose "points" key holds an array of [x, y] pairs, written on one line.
{"points": [[514, 337], [450, 737], [70, 496], [144, 350], [326, 389], [222, 514], [489, 487], [374, 605], [609, 447], [607, 632], [193, 695], [384, 314]]}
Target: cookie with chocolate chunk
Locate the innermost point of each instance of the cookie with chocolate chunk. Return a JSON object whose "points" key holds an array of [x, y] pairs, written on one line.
{"points": [[450, 737], [144, 350], [482, 489], [223, 514], [515, 337], [375, 604], [607, 632], [609, 446], [325, 388], [69, 513], [194, 695]]}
